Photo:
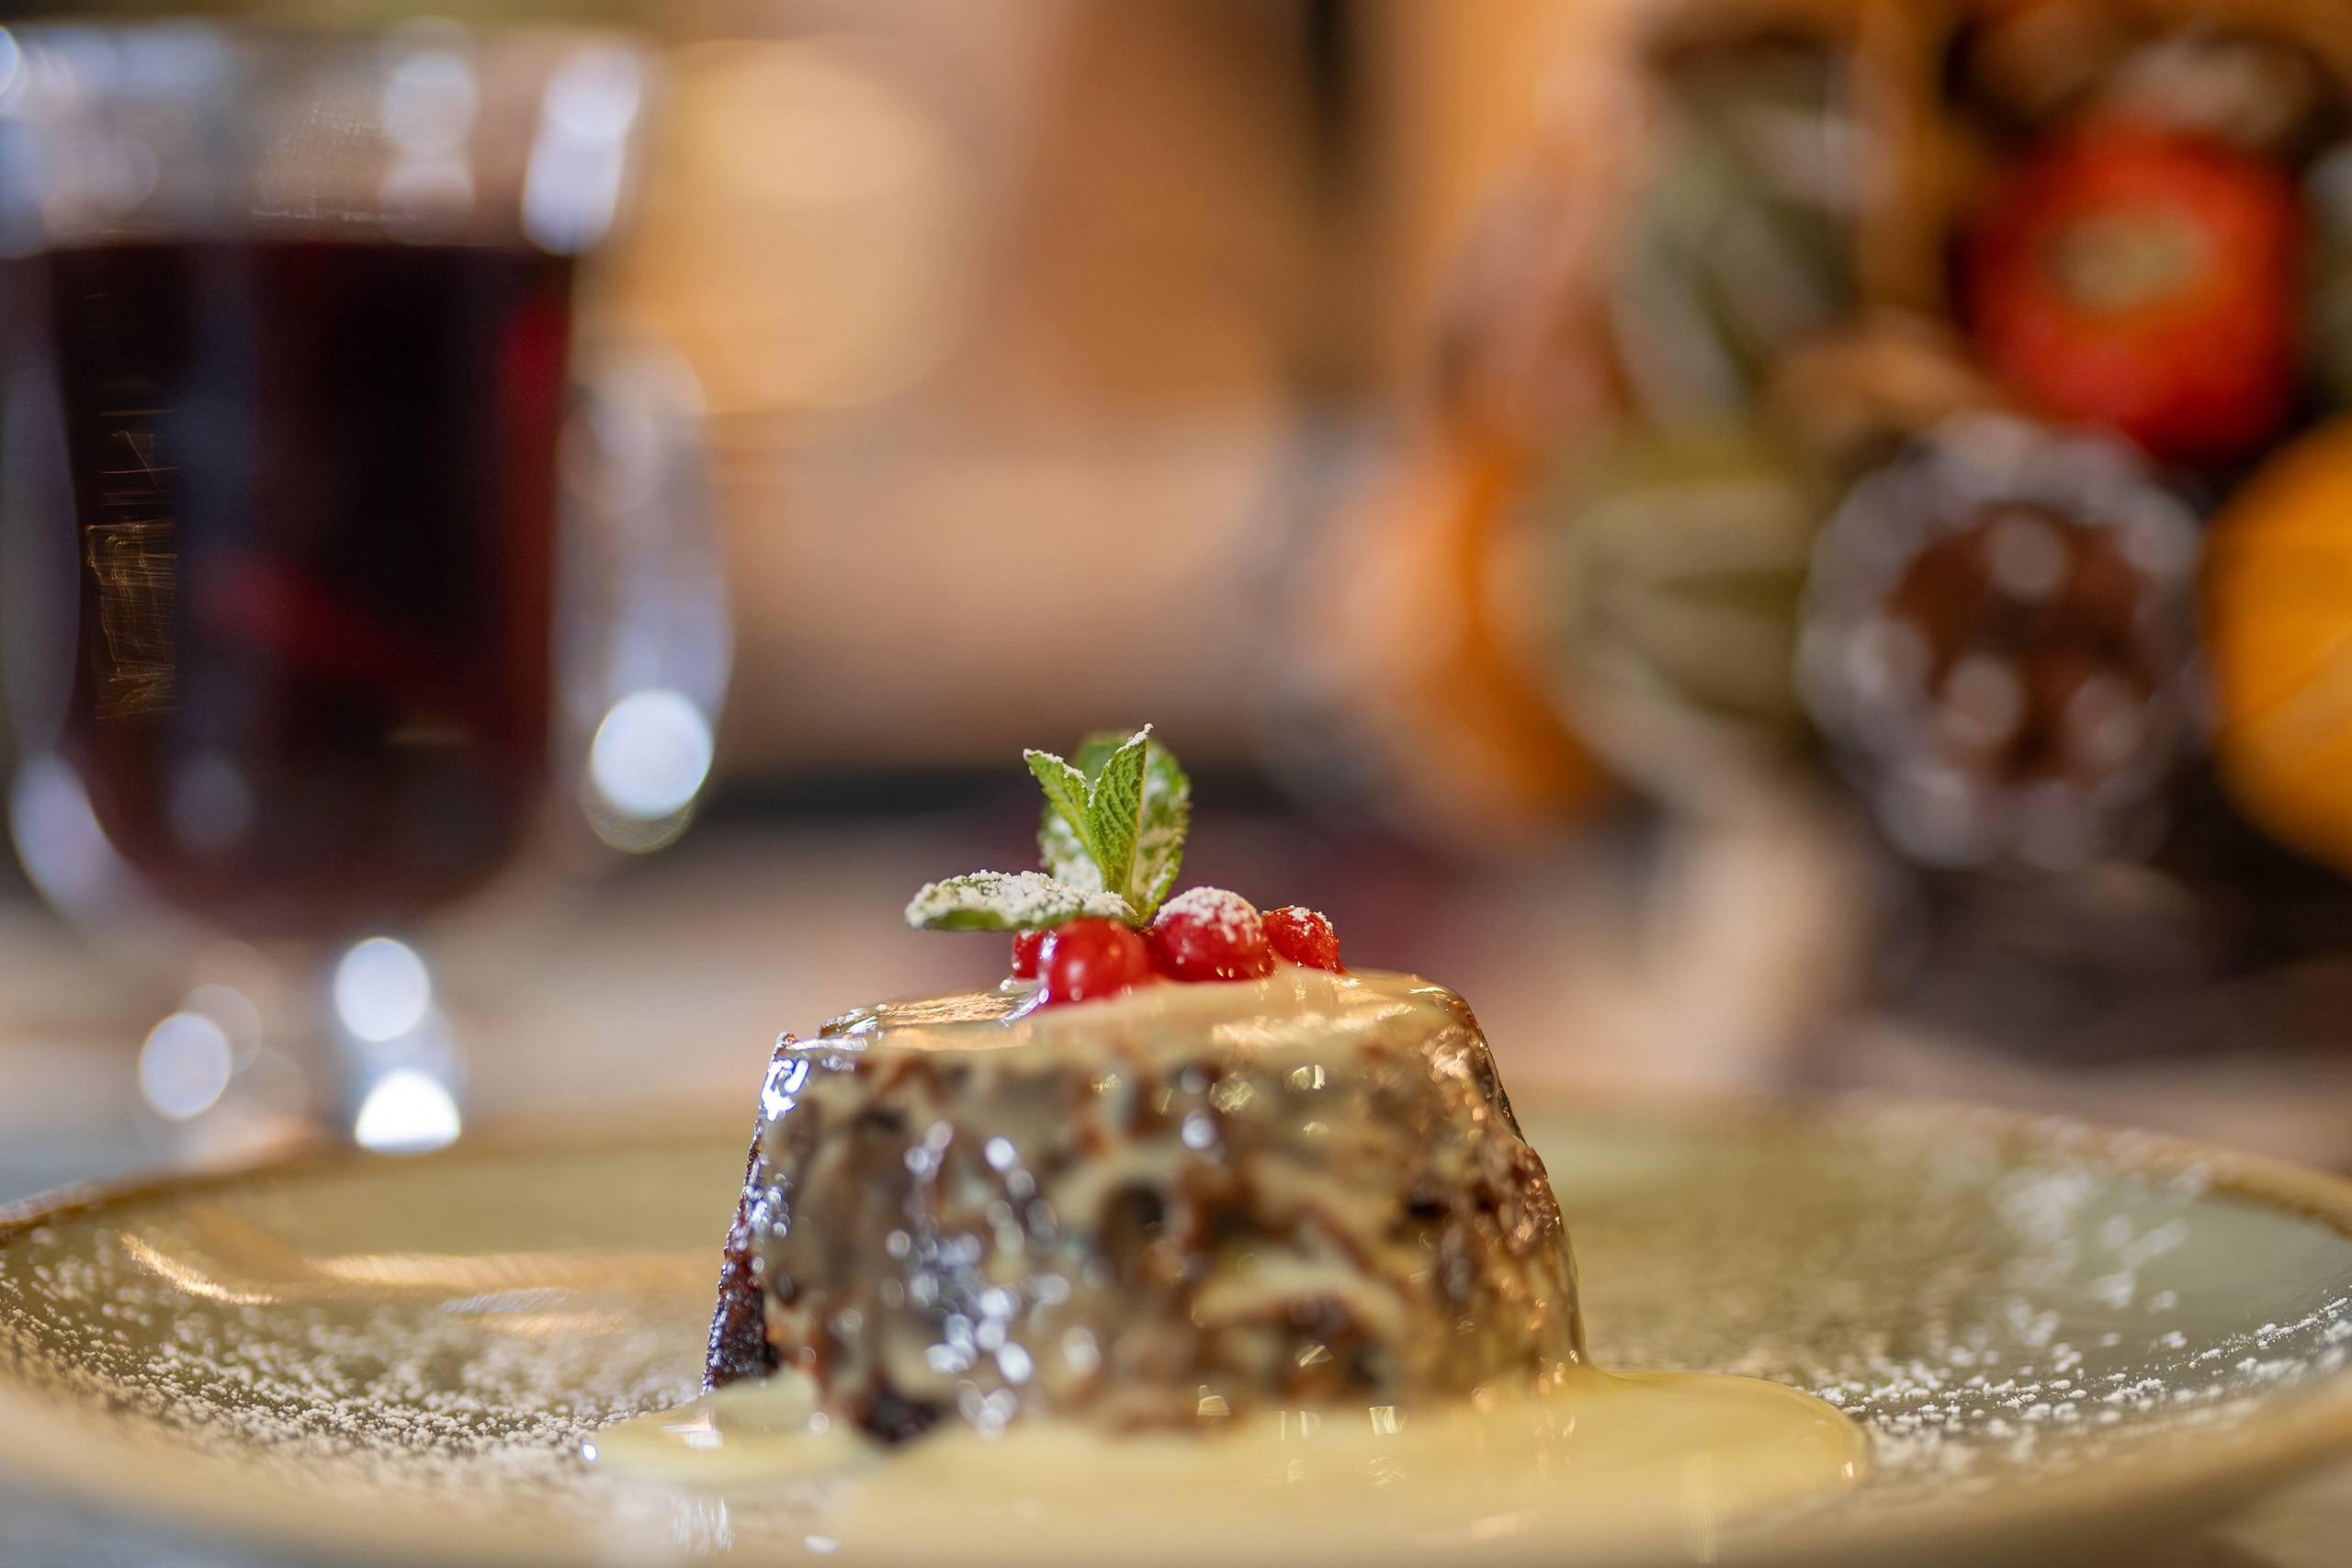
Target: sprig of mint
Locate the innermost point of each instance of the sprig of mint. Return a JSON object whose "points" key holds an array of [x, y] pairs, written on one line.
{"points": [[1116, 819], [1111, 838]]}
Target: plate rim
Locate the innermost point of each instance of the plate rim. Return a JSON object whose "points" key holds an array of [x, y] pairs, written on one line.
{"points": [[2173, 1481]]}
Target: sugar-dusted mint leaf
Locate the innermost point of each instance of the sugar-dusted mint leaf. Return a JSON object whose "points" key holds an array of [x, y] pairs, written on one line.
{"points": [[1114, 820], [1159, 842], [1062, 840], [1167, 814], [1096, 747], [1064, 852], [1009, 902], [1114, 815]]}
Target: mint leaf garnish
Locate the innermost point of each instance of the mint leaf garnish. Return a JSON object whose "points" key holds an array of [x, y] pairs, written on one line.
{"points": [[1064, 852], [1095, 750], [1112, 837], [1062, 840], [1114, 817], [1009, 902], [1159, 844], [1116, 820]]}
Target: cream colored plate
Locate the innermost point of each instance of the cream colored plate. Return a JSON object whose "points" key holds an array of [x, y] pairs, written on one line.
{"points": [[2061, 1340]]}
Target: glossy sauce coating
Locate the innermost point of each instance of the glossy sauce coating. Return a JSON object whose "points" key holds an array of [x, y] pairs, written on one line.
{"points": [[1174, 1211]]}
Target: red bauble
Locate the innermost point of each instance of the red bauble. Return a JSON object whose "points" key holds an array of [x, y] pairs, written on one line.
{"points": [[1085, 960], [1304, 937], [2145, 281], [1207, 933]]}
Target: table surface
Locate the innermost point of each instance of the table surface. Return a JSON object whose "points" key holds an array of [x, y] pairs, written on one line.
{"points": [[664, 982]]}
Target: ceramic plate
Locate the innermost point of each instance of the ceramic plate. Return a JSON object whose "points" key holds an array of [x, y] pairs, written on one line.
{"points": [[2059, 1339]]}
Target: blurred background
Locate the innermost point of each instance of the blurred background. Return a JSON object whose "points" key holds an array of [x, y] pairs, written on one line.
{"points": [[1774, 545], [1779, 547]]}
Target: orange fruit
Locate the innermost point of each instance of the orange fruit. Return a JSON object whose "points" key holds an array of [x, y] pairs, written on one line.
{"points": [[2279, 625]]}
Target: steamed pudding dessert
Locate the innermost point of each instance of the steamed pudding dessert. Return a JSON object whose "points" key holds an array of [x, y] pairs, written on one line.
{"points": [[1183, 1168], [1187, 1239]]}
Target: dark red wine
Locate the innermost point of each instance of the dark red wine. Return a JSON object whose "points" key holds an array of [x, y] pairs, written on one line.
{"points": [[314, 492]]}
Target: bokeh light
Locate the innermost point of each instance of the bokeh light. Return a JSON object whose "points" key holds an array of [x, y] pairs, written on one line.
{"points": [[406, 1113], [381, 989], [580, 157], [64, 850], [184, 1065], [650, 754], [429, 104]]}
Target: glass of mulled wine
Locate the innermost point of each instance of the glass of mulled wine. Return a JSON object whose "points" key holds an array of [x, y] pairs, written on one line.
{"points": [[290, 343]]}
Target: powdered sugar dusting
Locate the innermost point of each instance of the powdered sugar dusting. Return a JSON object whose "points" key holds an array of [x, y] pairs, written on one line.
{"points": [[2002, 1318], [294, 1330], [1229, 914], [1996, 1317], [1016, 901]]}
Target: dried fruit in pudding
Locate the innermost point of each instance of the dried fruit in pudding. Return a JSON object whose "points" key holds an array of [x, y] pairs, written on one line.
{"points": [[1172, 1207]]}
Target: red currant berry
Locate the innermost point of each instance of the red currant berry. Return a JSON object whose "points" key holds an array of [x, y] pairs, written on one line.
{"points": [[1207, 933], [1304, 937], [1085, 960], [1025, 947]]}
